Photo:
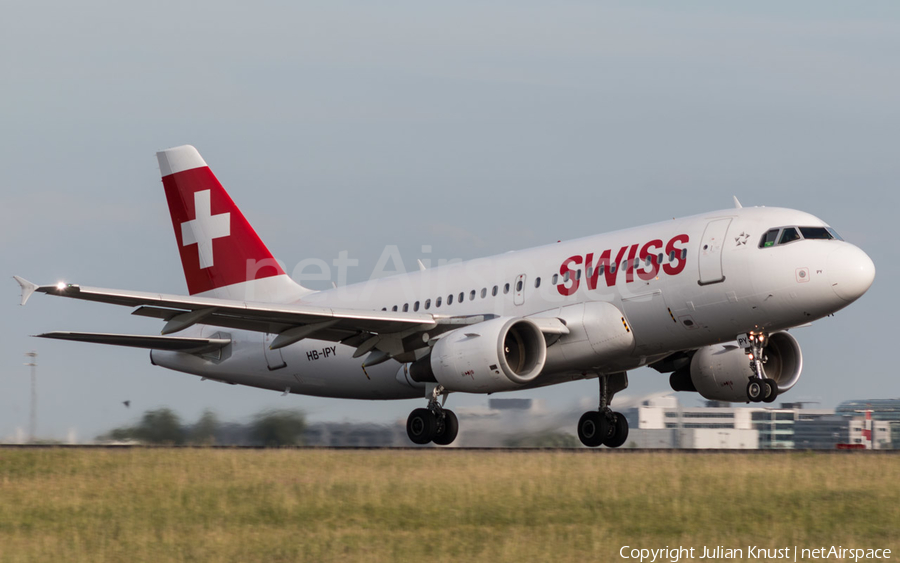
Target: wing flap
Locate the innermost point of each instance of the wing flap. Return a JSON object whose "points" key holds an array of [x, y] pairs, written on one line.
{"points": [[174, 343]]}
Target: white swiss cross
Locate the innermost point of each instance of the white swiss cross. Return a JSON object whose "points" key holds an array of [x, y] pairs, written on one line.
{"points": [[204, 228]]}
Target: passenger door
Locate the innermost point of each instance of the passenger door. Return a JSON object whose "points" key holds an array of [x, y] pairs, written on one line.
{"points": [[710, 254]]}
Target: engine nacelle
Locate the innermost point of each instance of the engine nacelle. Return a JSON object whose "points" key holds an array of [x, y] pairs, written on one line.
{"points": [[721, 372], [497, 355]]}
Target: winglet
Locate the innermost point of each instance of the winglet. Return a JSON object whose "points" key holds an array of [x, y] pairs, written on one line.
{"points": [[27, 288], [737, 204]]}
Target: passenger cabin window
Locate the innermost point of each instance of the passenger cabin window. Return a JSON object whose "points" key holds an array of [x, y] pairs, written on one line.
{"points": [[519, 285], [495, 291], [506, 289], [416, 306], [394, 308], [555, 279], [406, 307], [769, 238], [789, 234], [450, 299], [537, 282], [462, 296], [437, 302], [472, 295], [483, 292], [427, 304]]}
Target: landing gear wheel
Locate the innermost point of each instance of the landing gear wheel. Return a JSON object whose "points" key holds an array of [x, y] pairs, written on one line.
{"points": [[592, 429], [771, 390], [421, 426], [448, 433], [619, 431], [755, 390]]}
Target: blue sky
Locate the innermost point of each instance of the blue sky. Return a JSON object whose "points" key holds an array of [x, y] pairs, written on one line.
{"points": [[475, 128]]}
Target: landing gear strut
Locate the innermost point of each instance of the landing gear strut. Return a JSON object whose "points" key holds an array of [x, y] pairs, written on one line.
{"points": [[434, 423], [604, 426], [759, 387]]}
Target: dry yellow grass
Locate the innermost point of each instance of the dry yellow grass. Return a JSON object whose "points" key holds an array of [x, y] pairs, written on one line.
{"points": [[300, 505]]}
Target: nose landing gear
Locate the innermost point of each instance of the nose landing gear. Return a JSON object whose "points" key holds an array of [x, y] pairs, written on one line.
{"points": [[759, 387], [603, 426], [434, 423]]}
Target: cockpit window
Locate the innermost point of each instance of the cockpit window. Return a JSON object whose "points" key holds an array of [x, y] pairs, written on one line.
{"points": [[769, 238], [816, 233], [789, 234]]}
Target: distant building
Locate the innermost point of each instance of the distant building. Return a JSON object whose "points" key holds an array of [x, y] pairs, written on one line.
{"points": [[823, 433], [883, 410], [776, 426], [827, 432], [510, 404], [660, 421], [354, 435]]}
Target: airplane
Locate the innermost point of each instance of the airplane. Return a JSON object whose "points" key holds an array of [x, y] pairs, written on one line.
{"points": [[708, 299]]}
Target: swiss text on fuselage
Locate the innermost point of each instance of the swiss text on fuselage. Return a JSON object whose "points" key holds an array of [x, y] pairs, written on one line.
{"points": [[647, 255]]}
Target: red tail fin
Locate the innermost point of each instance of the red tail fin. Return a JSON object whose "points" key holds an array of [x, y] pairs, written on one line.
{"points": [[221, 254]]}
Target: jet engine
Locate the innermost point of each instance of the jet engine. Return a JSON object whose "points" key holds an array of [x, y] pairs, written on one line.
{"points": [[721, 372], [501, 354]]}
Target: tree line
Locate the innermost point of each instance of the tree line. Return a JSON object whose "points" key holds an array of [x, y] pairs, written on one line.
{"points": [[270, 428]]}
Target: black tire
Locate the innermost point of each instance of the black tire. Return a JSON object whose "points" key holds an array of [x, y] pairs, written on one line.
{"points": [[592, 429], [420, 426], [772, 391], [619, 431], [755, 390], [450, 430]]}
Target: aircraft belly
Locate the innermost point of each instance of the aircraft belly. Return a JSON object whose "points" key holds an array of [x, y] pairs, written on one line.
{"points": [[310, 367]]}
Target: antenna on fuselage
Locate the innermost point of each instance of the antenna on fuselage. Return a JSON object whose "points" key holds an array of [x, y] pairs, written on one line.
{"points": [[737, 204]]}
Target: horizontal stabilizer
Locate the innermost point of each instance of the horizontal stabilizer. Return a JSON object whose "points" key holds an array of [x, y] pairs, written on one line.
{"points": [[174, 343]]}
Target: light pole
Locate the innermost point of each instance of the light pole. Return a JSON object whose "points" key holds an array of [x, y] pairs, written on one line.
{"points": [[32, 427]]}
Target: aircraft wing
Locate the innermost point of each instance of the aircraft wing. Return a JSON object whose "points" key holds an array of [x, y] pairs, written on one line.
{"points": [[366, 330]]}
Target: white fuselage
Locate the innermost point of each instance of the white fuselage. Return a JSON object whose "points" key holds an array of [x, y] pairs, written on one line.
{"points": [[714, 282]]}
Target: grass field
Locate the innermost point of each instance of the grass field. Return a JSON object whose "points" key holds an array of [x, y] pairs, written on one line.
{"points": [[302, 505]]}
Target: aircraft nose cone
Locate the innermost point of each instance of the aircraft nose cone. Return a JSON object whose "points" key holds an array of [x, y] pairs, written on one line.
{"points": [[850, 271]]}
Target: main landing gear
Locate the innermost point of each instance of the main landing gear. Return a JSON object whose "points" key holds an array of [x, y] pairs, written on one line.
{"points": [[433, 423], [603, 426], [759, 387]]}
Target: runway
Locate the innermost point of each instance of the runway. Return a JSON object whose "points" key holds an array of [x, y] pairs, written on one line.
{"points": [[578, 451]]}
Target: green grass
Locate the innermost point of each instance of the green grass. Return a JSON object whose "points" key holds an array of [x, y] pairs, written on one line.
{"points": [[300, 505]]}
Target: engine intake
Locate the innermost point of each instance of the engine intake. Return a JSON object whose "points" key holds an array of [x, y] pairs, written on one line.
{"points": [[497, 355], [721, 372]]}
